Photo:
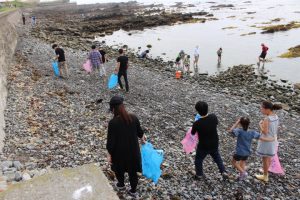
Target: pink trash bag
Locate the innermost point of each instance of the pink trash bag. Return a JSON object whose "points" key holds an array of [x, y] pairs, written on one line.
{"points": [[275, 166], [87, 66], [190, 141]]}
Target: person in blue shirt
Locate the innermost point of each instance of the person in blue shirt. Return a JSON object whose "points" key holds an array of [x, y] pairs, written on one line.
{"points": [[243, 144]]}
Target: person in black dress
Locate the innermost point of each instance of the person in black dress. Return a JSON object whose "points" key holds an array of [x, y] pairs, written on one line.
{"points": [[123, 148]]}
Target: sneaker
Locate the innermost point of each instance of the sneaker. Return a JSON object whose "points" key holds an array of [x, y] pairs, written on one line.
{"points": [[199, 178], [133, 194], [243, 176], [120, 186], [264, 178]]}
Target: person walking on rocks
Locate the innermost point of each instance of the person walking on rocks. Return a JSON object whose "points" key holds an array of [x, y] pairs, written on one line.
{"points": [[206, 127], [33, 21], [124, 155], [262, 57], [104, 60], [23, 18], [219, 53], [60, 57], [121, 69], [96, 59], [243, 144], [269, 128]]}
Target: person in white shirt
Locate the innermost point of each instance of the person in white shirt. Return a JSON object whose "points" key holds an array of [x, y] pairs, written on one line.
{"points": [[196, 57]]}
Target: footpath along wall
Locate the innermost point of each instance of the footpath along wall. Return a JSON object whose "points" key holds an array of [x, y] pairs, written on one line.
{"points": [[8, 42]]}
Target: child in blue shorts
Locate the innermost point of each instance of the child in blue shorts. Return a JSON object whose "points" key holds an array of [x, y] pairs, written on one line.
{"points": [[243, 144]]}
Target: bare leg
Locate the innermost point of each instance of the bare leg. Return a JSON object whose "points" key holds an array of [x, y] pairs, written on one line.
{"points": [[237, 165], [243, 165]]}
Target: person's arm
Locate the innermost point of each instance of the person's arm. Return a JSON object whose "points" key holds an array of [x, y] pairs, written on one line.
{"points": [[271, 139], [117, 67], [235, 125], [100, 57], [140, 132], [194, 129], [257, 135], [264, 126], [110, 145]]}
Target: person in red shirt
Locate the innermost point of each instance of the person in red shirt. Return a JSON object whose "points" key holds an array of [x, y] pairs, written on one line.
{"points": [[263, 54]]}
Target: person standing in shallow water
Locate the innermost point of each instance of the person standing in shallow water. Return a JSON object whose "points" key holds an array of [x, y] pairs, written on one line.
{"points": [[219, 53], [121, 69], [208, 144], [196, 57], [262, 57], [124, 155], [269, 128]]}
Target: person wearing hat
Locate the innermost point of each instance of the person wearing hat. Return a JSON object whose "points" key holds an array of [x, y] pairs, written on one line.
{"points": [[124, 155]]}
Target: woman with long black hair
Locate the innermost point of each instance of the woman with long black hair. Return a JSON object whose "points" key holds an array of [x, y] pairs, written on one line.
{"points": [[124, 154]]}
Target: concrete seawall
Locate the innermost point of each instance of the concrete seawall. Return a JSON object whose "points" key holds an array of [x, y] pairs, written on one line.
{"points": [[8, 42]]}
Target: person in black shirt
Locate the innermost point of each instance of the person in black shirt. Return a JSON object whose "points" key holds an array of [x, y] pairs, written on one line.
{"points": [[121, 70], [208, 144], [103, 53], [60, 57], [23, 18], [124, 154]]}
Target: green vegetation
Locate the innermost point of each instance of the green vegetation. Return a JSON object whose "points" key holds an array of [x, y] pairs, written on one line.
{"points": [[292, 53], [9, 6], [280, 27]]}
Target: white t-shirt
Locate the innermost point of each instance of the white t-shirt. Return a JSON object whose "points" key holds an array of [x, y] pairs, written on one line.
{"points": [[196, 52]]}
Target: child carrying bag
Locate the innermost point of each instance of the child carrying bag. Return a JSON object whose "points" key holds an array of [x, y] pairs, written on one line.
{"points": [[55, 68]]}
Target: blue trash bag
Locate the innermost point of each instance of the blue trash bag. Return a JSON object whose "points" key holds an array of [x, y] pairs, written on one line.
{"points": [[151, 161], [197, 117], [55, 68], [113, 81]]}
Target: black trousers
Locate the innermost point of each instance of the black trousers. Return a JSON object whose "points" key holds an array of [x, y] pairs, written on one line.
{"points": [[133, 179], [124, 74], [200, 156]]}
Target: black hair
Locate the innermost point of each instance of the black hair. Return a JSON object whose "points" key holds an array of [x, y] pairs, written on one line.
{"points": [[147, 51], [121, 51], [93, 46], [202, 108], [54, 46], [271, 106], [245, 122]]}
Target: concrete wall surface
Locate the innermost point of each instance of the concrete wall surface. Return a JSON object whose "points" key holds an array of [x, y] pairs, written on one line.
{"points": [[86, 182], [8, 42]]}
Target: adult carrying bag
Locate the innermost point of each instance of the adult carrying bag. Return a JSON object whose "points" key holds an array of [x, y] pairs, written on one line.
{"points": [[151, 162]]}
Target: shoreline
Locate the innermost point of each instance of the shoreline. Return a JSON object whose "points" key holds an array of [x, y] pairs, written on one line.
{"points": [[257, 84], [55, 123]]}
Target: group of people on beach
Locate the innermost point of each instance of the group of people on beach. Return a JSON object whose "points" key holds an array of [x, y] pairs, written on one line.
{"points": [[98, 58], [124, 131], [33, 20], [182, 61]]}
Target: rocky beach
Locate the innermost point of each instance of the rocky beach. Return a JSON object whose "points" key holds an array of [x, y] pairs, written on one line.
{"points": [[55, 123]]}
